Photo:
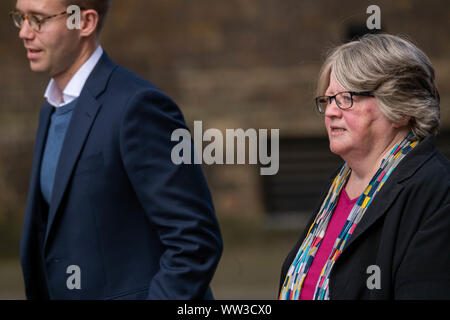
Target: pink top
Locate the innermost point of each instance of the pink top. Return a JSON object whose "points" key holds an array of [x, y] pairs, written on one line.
{"points": [[335, 226]]}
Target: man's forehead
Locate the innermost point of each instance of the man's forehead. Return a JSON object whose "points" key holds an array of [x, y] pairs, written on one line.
{"points": [[39, 6]]}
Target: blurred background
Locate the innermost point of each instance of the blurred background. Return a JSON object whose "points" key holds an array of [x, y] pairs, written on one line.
{"points": [[231, 64]]}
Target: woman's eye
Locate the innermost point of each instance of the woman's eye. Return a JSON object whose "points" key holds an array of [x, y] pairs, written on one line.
{"points": [[347, 98]]}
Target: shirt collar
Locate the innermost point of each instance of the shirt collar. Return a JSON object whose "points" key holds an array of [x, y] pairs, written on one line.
{"points": [[73, 89]]}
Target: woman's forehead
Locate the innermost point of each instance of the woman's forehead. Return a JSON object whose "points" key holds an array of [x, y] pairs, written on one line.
{"points": [[333, 86]]}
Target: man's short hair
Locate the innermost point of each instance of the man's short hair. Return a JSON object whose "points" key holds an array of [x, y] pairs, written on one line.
{"points": [[101, 6]]}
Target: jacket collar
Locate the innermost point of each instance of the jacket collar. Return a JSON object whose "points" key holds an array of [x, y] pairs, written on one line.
{"points": [[73, 89], [381, 203], [393, 186], [83, 117]]}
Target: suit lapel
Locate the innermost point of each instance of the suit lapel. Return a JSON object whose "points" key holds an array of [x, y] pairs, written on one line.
{"points": [[32, 221], [376, 210], [81, 123], [33, 196], [379, 207], [390, 191], [381, 203], [44, 121]]}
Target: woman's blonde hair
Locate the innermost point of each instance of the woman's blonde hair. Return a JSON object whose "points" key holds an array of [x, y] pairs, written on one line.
{"points": [[398, 73]]}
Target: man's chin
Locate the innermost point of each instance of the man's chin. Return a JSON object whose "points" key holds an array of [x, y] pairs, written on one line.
{"points": [[37, 67]]}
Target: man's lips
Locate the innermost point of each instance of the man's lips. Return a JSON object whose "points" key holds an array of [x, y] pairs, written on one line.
{"points": [[33, 53]]}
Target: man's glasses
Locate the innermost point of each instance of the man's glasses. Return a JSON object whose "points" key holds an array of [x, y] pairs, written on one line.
{"points": [[344, 100], [34, 22]]}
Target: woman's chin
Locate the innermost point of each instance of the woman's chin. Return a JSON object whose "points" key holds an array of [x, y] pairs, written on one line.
{"points": [[338, 148]]}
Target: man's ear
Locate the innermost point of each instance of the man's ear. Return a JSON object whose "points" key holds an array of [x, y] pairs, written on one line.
{"points": [[89, 22]]}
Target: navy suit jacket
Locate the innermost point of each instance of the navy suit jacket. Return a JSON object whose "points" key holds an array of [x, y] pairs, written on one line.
{"points": [[136, 225]]}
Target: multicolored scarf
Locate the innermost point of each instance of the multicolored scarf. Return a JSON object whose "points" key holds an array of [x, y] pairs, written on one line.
{"points": [[296, 274]]}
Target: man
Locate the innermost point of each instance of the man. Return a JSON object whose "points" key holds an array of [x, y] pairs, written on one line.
{"points": [[109, 216]]}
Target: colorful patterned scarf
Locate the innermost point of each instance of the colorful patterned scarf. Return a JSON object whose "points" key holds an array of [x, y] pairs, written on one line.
{"points": [[296, 275]]}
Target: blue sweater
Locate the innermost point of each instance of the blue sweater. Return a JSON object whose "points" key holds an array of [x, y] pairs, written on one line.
{"points": [[59, 123]]}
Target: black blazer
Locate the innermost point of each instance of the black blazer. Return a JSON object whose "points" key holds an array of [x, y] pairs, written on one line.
{"points": [[137, 225], [405, 232]]}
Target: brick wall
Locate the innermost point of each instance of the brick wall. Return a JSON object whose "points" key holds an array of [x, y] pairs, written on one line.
{"points": [[231, 64]]}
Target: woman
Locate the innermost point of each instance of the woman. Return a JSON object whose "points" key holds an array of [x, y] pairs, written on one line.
{"points": [[382, 230]]}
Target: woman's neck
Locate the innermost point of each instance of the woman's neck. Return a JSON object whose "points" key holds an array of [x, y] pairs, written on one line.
{"points": [[364, 168]]}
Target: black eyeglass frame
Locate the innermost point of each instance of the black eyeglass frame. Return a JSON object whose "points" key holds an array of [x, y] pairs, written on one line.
{"points": [[331, 98], [38, 21]]}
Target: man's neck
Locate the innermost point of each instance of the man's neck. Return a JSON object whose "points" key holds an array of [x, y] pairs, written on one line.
{"points": [[63, 78]]}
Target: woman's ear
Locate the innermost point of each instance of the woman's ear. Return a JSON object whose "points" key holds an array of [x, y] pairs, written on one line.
{"points": [[403, 122], [89, 22]]}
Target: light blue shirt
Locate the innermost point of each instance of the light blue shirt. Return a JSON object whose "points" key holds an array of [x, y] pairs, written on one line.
{"points": [[59, 123]]}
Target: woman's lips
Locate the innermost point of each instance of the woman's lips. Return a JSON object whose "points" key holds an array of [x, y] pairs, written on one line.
{"points": [[336, 131]]}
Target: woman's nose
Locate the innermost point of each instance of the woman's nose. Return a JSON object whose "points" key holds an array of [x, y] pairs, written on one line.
{"points": [[333, 110]]}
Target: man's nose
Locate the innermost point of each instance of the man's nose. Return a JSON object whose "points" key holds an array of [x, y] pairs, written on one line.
{"points": [[26, 32]]}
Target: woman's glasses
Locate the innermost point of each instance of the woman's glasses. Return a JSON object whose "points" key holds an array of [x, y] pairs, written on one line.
{"points": [[344, 100]]}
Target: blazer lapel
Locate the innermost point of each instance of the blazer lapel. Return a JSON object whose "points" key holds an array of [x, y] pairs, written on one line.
{"points": [[389, 192], [382, 202], [44, 121], [81, 123], [378, 208], [33, 196]]}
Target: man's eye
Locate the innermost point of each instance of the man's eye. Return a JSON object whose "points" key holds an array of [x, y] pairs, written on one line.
{"points": [[37, 18]]}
